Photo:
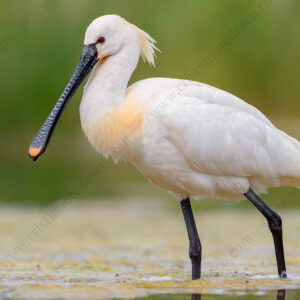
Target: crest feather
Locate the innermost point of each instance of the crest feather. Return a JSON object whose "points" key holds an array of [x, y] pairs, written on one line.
{"points": [[147, 47], [146, 43]]}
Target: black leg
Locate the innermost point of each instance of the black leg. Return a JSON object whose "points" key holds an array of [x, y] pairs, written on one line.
{"points": [[195, 245], [275, 225]]}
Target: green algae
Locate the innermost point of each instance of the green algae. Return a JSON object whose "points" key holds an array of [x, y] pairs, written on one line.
{"points": [[104, 251]]}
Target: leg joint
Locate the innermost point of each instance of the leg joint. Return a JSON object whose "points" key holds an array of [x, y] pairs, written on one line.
{"points": [[195, 252], [275, 222]]}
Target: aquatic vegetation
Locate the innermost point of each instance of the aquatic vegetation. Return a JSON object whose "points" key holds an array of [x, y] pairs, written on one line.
{"points": [[106, 249]]}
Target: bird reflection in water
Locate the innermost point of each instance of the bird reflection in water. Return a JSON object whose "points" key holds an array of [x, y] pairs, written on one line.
{"points": [[280, 295]]}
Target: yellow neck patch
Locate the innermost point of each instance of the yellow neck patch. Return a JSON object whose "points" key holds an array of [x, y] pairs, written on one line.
{"points": [[112, 132]]}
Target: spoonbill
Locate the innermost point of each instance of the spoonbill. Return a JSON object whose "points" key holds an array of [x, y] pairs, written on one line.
{"points": [[188, 138]]}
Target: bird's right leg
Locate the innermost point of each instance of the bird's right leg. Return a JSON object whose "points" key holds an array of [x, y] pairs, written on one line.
{"points": [[275, 226], [195, 249]]}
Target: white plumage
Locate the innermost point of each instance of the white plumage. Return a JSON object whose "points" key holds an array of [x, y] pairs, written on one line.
{"points": [[186, 137]]}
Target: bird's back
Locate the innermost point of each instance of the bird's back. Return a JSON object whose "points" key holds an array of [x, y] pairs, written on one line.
{"points": [[217, 135]]}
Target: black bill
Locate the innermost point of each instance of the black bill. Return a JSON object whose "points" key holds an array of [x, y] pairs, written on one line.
{"points": [[87, 61]]}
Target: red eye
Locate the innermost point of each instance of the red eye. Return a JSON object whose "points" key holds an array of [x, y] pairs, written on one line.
{"points": [[101, 39]]}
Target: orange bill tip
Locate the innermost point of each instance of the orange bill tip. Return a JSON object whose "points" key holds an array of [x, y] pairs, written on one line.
{"points": [[33, 151]]}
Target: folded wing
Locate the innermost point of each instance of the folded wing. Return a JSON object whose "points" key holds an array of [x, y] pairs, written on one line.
{"points": [[219, 134]]}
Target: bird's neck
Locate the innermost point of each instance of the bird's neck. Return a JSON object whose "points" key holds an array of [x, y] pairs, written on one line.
{"points": [[105, 117], [107, 85]]}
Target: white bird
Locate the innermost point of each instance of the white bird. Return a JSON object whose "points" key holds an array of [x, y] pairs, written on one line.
{"points": [[187, 137]]}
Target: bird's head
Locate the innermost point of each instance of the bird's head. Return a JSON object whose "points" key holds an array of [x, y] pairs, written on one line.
{"points": [[110, 33], [104, 37]]}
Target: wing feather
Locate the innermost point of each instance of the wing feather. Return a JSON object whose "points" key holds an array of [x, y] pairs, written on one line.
{"points": [[220, 134]]}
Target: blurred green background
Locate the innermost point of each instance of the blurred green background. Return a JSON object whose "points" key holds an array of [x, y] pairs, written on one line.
{"points": [[41, 41]]}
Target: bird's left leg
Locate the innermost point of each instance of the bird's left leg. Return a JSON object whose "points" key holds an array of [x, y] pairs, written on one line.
{"points": [[195, 249], [275, 225]]}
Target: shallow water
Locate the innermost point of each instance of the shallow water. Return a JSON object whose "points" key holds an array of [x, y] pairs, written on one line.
{"points": [[259, 295], [138, 249]]}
